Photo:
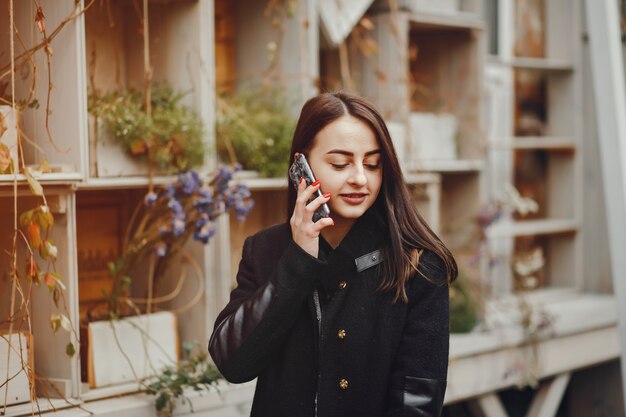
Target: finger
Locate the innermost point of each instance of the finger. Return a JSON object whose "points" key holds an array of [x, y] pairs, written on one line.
{"points": [[308, 192], [317, 202], [300, 201], [323, 223]]}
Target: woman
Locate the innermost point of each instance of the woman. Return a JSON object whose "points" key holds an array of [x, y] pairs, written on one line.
{"points": [[347, 316]]}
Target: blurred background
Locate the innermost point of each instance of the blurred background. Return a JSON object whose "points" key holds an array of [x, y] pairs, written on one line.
{"points": [[141, 141]]}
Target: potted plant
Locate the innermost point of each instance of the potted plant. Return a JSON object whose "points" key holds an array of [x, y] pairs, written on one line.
{"points": [[167, 139], [255, 128]]}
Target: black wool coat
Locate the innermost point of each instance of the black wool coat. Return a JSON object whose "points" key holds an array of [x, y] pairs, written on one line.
{"points": [[322, 341]]}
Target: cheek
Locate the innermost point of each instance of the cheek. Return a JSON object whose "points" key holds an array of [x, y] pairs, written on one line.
{"points": [[376, 181]]}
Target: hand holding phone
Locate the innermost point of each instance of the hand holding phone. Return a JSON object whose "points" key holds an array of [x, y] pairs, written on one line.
{"points": [[301, 169]]}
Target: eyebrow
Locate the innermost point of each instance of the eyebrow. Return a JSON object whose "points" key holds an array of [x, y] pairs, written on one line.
{"points": [[342, 152]]}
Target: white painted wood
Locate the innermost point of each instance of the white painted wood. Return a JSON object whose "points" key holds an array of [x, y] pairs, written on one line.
{"points": [[66, 103], [433, 137], [147, 344], [506, 367], [506, 28], [543, 64], [534, 227], [338, 17], [499, 110], [71, 249], [60, 178], [548, 398], [15, 347], [9, 137], [489, 405], [59, 407], [458, 20], [536, 143], [609, 86], [449, 166]]}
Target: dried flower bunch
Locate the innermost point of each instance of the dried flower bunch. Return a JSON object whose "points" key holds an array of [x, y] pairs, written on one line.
{"points": [[167, 218]]}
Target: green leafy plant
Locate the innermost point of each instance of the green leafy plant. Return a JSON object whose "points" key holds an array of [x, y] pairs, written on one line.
{"points": [[170, 137], [194, 372], [463, 314], [257, 126]]}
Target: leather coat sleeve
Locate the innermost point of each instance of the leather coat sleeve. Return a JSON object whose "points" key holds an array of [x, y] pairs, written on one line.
{"points": [[417, 382], [261, 310]]}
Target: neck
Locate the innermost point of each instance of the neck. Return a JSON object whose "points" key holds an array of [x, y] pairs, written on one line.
{"points": [[335, 234]]}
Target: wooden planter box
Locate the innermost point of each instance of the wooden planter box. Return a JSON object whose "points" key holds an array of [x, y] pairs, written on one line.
{"points": [[433, 136], [130, 349], [18, 387]]}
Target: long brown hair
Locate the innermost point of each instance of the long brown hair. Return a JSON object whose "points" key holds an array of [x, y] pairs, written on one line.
{"points": [[408, 231]]}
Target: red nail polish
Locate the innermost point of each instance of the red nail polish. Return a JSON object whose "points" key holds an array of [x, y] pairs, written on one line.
{"points": [[327, 195], [316, 183], [300, 180]]}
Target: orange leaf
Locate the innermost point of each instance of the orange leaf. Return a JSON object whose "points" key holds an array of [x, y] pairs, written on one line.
{"points": [[138, 147], [34, 235], [49, 280]]}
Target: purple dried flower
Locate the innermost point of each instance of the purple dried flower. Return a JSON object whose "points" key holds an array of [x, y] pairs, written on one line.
{"points": [[204, 231], [178, 225], [175, 206], [189, 181], [150, 198], [160, 249]]}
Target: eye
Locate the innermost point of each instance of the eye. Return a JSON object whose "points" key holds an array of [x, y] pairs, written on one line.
{"points": [[339, 166], [373, 167]]}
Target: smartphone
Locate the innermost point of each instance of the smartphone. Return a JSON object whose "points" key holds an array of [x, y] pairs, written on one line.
{"points": [[301, 169]]}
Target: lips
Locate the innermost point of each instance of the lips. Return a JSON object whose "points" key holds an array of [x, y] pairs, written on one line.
{"points": [[353, 198]]}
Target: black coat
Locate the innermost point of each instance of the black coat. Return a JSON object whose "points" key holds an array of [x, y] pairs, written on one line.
{"points": [[374, 357]]}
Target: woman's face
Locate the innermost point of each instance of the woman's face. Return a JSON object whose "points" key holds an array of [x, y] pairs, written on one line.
{"points": [[346, 158]]}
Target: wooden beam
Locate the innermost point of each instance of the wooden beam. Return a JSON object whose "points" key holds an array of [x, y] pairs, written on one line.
{"points": [[488, 405], [548, 398], [607, 69]]}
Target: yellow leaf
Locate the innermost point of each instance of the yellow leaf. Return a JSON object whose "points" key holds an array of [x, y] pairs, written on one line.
{"points": [[33, 184], [6, 163]]}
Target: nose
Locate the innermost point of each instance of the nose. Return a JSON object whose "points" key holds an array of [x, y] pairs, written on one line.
{"points": [[357, 175]]}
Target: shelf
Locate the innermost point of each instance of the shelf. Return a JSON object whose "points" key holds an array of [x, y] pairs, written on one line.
{"points": [[456, 20], [538, 143], [542, 64], [448, 166], [534, 227], [260, 184], [50, 178], [584, 327], [422, 178], [45, 405], [264, 183], [123, 182]]}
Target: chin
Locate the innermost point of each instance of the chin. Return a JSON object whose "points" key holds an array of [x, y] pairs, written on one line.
{"points": [[348, 212]]}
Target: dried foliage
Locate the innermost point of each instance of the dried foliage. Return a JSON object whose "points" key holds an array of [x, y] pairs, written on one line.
{"points": [[171, 137]]}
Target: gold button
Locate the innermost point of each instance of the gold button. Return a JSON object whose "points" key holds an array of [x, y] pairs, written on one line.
{"points": [[343, 384], [341, 334], [342, 285]]}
